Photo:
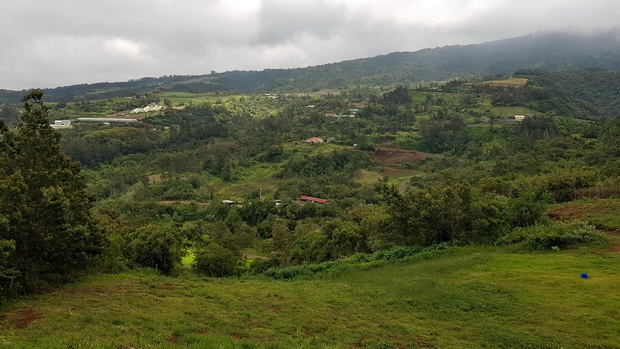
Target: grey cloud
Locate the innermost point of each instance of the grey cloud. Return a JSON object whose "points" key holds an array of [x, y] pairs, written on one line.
{"points": [[282, 20]]}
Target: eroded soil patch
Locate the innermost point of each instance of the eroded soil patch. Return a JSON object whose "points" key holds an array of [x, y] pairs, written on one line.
{"points": [[392, 156]]}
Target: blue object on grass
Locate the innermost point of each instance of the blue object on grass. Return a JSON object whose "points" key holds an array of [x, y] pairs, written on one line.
{"points": [[584, 275]]}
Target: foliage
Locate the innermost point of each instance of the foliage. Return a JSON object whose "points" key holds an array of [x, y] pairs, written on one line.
{"points": [[400, 95], [451, 212], [552, 235], [358, 261], [343, 161], [335, 239], [528, 208], [157, 246], [9, 114], [439, 135], [216, 261], [44, 201], [93, 148]]}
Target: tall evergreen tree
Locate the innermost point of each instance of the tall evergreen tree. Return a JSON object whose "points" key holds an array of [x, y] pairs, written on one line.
{"points": [[44, 201]]}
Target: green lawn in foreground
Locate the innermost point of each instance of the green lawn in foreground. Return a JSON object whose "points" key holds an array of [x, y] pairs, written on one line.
{"points": [[474, 297]]}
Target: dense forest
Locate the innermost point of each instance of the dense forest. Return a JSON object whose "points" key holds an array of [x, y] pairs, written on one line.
{"points": [[211, 179]]}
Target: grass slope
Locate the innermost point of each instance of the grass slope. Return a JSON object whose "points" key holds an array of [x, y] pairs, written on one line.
{"points": [[603, 213], [474, 297]]}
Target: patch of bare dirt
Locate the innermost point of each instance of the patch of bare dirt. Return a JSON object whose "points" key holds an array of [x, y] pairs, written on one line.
{"points": [[274, 308], [567, 213], [24, 317], [172, 202], [85, 291], [392, 156], [335, 311], [173, 339]]}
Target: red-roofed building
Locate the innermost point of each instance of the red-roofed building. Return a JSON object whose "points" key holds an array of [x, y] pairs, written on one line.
{"points": [[314, 140], [311, 199]]}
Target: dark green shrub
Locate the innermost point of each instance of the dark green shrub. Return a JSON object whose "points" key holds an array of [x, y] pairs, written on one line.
{"points": [[548, 236], [157, 246], [217, 261], [528, 208], [358, 261], [258, 266]]}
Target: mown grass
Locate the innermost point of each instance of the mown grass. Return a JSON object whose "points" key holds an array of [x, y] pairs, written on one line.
{"points": [[472, 297]]}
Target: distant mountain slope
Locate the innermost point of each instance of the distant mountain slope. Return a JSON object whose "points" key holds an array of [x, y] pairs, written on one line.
{"points": [[545, 50], [598, 89]]}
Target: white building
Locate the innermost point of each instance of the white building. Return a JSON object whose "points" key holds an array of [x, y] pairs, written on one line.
{"points": [[61, 124], [110, 120]]}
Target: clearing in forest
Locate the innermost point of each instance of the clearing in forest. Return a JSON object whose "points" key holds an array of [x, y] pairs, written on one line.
{"points": [[514, 82], [388, 156]]}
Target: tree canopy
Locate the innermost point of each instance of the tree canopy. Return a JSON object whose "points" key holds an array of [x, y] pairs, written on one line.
{"points": [[43, 201]]}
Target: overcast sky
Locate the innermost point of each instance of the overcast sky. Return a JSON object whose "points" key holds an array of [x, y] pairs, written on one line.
{"points": [[47, 43]]}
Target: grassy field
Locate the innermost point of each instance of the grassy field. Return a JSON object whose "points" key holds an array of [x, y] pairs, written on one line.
{"points": [[473, 297], [395, 176], [513, 82], [186, 98], [510, 112]]}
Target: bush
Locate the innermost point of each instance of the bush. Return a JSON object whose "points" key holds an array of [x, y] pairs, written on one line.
{"points": [[553, 235], [358, 261], [258, 266], [217, 261], [528, 208], [156, 246]]}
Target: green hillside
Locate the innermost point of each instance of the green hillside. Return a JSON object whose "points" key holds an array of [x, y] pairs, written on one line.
{"points": [[461, 298]]}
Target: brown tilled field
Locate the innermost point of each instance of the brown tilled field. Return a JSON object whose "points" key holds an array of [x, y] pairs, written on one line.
{"points": [[393, 156]]}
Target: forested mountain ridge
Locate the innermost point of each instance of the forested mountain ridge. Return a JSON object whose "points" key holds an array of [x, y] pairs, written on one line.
{"points": [[552, 51]]}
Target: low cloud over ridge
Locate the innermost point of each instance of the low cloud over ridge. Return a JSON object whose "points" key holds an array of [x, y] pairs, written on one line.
{"points": [[48, 44]]}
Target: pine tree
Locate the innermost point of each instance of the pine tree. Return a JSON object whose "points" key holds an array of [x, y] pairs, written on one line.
{"points": [[44, 199]]}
